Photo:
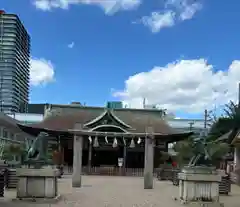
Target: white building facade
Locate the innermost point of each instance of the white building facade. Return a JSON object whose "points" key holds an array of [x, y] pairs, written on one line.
{"points": [[27, 118]]}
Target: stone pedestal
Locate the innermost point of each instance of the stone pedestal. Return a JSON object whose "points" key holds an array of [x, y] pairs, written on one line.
{"points": [[37, 183], [199, 185]]}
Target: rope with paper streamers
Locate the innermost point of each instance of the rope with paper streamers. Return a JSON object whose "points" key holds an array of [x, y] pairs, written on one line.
{"points": [[95, 141]]}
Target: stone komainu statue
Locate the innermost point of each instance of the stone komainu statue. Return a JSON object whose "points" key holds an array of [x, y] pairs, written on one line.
{"points": [[38, 150]]}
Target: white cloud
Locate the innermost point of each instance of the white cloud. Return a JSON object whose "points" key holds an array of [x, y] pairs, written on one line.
{"points": [[157, 20], [187, 85], [41, 71], [71, 45], [174, 11], [185, 8], [109, 6]]}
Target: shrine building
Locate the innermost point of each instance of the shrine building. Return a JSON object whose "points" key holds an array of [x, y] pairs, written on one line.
{"points": [[109, 135]]}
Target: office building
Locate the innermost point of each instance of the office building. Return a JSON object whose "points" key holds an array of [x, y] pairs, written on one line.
{"points": [[114, 105], [14, 64]]}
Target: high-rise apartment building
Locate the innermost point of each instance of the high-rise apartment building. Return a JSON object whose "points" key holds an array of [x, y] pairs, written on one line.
{"points": [[14, 64]]}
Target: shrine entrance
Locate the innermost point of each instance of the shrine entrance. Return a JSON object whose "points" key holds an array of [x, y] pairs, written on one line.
{"points": [[100, 150], [135, 158], [100, 140], [103, 157]]}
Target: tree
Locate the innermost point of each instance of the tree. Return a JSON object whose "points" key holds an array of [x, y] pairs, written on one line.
{"points": [[217, 151], [229, 121], [12, 150], [222, 126], [232, 111], [184, 151], [214, 150]]}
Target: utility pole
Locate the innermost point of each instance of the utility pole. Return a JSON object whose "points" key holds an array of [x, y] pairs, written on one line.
{"points": [[205, 118], [205, 122], [144, 103]]}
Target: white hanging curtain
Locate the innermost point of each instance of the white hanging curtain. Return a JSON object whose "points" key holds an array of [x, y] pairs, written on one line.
{"points": [[115, 143], [106, 139], [96, 144], [90, 139], [139, 140], [132, 144]]}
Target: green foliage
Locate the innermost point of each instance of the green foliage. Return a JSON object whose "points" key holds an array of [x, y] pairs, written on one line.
{"points": [[230, 120], [164, 156], [187, 149], [222, 126], [184, 151], [12, 150], [232, 111], [217, 150]]}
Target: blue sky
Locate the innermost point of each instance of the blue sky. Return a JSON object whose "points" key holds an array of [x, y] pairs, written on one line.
{"points": [[182, 54]]}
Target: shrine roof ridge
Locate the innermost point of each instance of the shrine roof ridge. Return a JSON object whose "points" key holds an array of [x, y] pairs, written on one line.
{"points": [[102, 107]]}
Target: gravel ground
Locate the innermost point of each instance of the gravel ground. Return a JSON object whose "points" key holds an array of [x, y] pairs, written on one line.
{"points": [[106, 191]]}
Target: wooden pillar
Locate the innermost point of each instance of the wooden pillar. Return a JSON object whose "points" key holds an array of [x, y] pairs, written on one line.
{"points": [[59, 150], [77, 159], [59, 143], [63, 154], [89, 156], [149, 159], [124, 157]]}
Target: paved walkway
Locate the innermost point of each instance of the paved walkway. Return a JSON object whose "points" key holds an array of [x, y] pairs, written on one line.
{"points": [[103, 191]]}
